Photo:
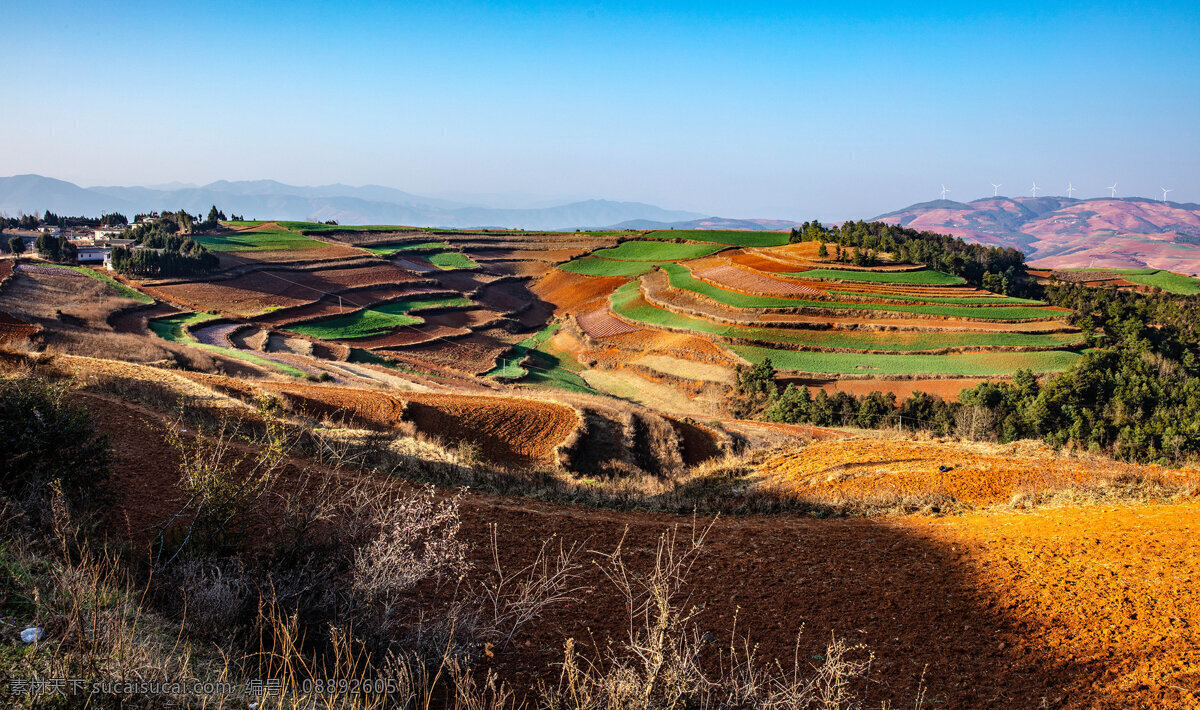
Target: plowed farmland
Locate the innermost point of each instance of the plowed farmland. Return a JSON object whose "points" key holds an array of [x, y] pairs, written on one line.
{"points": [[866, 472], [268, 289]]}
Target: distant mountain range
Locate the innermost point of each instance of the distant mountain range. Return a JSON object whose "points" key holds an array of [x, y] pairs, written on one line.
{"points": [[268, 199], [1060, 232]]}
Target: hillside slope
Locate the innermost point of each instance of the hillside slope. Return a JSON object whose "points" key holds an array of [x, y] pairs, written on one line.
{"points": [[1059, 232]]}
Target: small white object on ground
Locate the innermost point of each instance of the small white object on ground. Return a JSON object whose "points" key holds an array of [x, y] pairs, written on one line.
{"points": [[33, 633]]}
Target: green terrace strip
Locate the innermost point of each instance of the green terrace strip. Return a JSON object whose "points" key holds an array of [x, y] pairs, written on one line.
{"points": [[125, 291], [557, 369], [389, 249], [1168, 281], [962, 364], [924, 277], [626, 302], [258, 240], [451, 260], [591, 266], [682, 279], [656, 251], [376, 320], [510, 366], [171, 328], [731, 238], [952, 300]]}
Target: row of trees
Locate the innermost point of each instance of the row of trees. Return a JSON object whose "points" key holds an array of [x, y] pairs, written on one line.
{"points": [[190, 259], [1003, 268]]}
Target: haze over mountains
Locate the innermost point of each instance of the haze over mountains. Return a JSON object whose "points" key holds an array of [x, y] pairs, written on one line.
{"points": [[268, 199], [1059, 232], [1054, 232]]}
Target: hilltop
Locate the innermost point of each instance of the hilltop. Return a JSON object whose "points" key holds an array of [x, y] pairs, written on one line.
{"points": [[1060, 232]]}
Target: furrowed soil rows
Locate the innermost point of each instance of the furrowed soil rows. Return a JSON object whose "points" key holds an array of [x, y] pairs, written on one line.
{"points": [[601, 323], [872, 471], [736, 279], [258, 291], [14, 330]]}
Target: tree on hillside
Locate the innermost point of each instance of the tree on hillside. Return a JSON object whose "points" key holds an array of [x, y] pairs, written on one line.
{"points": [[16, 245], [822, 251]]}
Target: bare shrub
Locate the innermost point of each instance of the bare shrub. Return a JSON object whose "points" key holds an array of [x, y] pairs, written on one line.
{"points": [[416, 539]]}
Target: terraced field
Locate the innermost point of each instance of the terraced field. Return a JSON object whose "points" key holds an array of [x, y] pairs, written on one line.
{"points": [[376, 320]]}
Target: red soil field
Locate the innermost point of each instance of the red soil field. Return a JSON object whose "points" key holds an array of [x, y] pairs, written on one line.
{"points": [[6, 269], [574, 293], [13, 329], [735, 279], [348, 302], [601, 323], [254, 292], [329, 252], [1079, 607], [471, 354], [556, 256]]}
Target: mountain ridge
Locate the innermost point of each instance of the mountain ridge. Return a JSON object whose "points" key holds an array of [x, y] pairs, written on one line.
{"points": [[368, 204], [1065, 232]]}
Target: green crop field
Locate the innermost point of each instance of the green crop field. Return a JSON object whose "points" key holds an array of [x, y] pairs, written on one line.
{"points": [[171, 328], [258, 240], [924, 277], [656, 251], [547, 366], [729, 237], [125, 291], [961, 364], [681, 278], [389, 249], [510, 366], [627, 303], [451, 260], [592, 266], [1168, 281], [376, 320]]}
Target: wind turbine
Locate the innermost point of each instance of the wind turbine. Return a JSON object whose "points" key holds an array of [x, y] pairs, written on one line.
{"points": [[1070, 190], [944, 191], [1165, 191], [1035, 188], [995, 190], [1113, 189]]}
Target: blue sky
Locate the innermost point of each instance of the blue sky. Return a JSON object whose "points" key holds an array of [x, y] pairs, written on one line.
{"points": [[737, 109]]}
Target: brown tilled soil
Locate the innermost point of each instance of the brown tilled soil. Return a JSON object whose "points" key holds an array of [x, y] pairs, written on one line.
{"points": [[946, 388], [1079, 607], [258, 291]]}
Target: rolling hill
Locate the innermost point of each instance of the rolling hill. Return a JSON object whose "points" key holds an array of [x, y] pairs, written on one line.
{"points": [[1059, 232]]}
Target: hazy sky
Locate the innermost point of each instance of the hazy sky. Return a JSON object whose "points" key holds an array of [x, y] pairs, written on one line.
{"points": [[732, 108]]}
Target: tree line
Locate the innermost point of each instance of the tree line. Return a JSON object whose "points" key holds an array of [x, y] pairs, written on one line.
{"points": [[1135, 396], [997, 269]]}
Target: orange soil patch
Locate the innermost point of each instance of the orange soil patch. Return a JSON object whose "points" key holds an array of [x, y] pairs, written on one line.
{"points": [[574, 293], [259, 290], [877, 471], [601, 323], [736, 279], [947, 389]]}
